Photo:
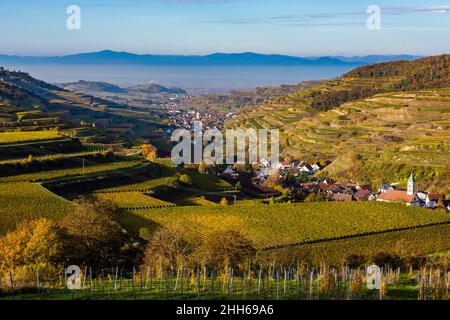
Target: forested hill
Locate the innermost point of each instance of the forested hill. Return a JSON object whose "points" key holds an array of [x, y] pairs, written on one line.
{"points": [[426, 73], [430, 72]]}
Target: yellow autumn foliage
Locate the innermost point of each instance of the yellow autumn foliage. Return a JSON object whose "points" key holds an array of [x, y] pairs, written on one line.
{"points": [[34, 242]]}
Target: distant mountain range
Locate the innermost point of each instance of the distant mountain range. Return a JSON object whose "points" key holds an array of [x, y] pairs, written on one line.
{"points": [[247, 58], [94, 87]]}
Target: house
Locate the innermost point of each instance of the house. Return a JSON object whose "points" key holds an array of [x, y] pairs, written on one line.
{"points": [[298, 163], [363, 195], [432, 200], [385, 187], [422, 197], [286, 165], [307, 168], [277, 166], [341, 197], [316, 166], [364, 187], [401, 196], [264, 172], [231, 172], [328, 181], [331, 188], [310, 187], [264, 163]]}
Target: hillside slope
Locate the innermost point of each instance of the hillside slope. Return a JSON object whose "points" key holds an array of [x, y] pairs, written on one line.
{"points": [[376, 123], [27, 103]]}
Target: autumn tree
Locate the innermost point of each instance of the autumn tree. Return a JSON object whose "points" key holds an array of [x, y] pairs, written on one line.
{"points": [[169, 246], [149, 151], [32, 243], [226, 248], [96, 237], [224, 201], [202, 167]]}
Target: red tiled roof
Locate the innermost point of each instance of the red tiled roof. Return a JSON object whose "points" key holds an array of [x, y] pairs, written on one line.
{"points": [[341, 197], [396, 196], [365, 187], [361, 193]]}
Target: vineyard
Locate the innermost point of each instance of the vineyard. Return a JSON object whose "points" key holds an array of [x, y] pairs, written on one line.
{"points": [[285, 224], [131, 200], [268, 282], [53, 157], [21, 202], [420, 241], [72, 172], [208, 182], [140, 186], [27, 136]]}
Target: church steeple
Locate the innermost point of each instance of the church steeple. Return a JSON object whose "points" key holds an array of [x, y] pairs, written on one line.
{"points": [[412, 187]]}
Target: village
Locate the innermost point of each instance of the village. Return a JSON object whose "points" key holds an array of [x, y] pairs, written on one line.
{"points": [[302, 181], [185, 119]]}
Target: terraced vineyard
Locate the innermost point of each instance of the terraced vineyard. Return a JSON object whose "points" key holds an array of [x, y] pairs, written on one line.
{"points": [[278, 225], [56, 156], [131, 200], [208, 182], [141, 186], [378, 139], [73, 172], [27, 136], [21, 202]]}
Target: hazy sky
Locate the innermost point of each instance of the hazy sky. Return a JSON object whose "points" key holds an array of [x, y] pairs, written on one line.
{"points": [[302, 28]]}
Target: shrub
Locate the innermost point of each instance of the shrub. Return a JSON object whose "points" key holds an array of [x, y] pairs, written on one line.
{"points": [[354, 260]]}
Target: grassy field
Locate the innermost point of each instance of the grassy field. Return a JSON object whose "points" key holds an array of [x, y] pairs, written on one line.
{"points": [[278, 225], [26, 136], [21, 202]]}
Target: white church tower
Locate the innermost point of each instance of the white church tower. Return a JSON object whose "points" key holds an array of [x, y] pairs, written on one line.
{"points": [[412, 186]]}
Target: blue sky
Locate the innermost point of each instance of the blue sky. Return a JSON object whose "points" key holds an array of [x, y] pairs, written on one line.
{"points": [[301, 28]]}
